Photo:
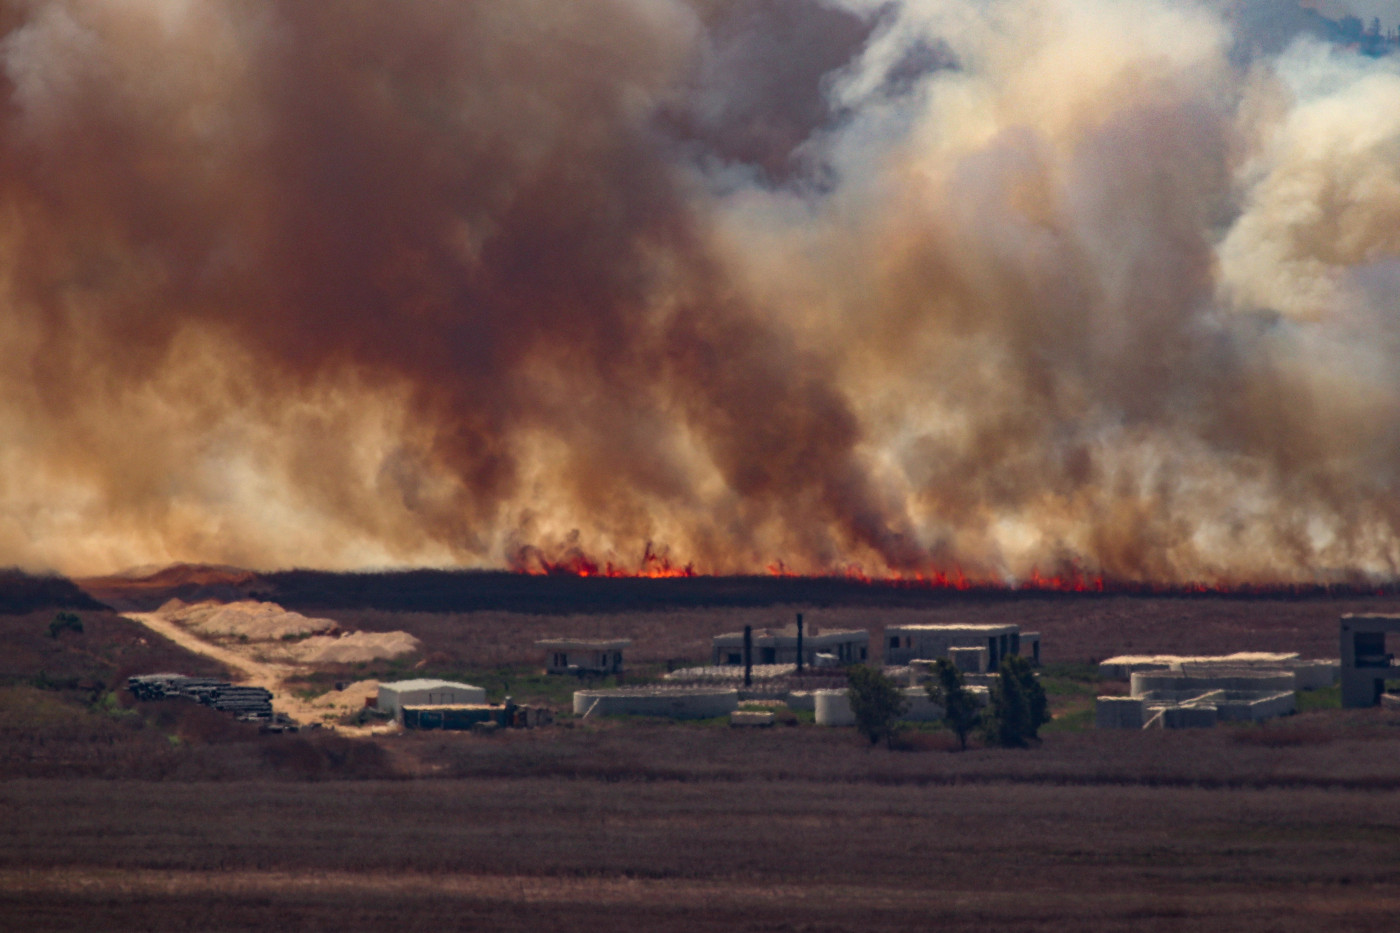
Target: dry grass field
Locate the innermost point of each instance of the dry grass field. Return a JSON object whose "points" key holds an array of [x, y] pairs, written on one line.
{"points": [[1073, 629], [698, 828], [127, 816]]}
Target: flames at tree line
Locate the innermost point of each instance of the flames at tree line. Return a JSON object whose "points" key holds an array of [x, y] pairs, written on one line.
{"points": [[1046, 294]]}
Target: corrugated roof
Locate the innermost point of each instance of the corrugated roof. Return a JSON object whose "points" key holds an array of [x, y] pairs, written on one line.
{"points": [[425, 684], [975, 627], [601, 644]]}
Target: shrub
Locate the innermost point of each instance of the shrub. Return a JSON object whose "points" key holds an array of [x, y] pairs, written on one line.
{"points": [[1018, 707], [65, 622], [960, 712], [876, 702]]}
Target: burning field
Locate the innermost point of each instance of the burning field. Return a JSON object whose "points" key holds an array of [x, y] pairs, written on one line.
{"points": [[982, 291], [653, 319]]}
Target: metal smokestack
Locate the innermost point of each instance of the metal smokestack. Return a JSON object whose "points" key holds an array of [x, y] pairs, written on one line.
{"points": [[748, 655], [799, 643]]}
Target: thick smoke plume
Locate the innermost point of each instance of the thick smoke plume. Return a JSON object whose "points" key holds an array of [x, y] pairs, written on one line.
{"points": [[990, 286]]}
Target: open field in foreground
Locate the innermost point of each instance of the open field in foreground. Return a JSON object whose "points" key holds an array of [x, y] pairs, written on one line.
{"points": [[666, 827]]}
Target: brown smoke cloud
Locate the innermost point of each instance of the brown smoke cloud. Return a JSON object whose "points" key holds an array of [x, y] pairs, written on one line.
{"points": [[992, 286]]}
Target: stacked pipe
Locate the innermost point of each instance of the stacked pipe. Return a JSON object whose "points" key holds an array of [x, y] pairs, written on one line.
{"points": [[245, 702]]}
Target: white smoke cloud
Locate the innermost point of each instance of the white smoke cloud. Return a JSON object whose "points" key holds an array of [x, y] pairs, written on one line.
{"points": [[998, 286]]}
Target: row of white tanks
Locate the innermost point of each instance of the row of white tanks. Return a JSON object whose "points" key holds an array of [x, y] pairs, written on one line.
{"points": [[831, 707]]}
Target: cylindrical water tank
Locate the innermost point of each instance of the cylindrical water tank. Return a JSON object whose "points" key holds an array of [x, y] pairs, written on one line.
{"points": [[694, 703], [833, 708]]}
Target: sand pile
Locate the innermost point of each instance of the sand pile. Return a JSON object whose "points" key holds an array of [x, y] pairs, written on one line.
{"points": [[298, 638], [352, 697], [256, 621], [353, 647]]}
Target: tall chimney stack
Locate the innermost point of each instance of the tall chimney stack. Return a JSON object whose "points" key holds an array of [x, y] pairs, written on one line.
{"points": [[799, 643], [748, 655]]}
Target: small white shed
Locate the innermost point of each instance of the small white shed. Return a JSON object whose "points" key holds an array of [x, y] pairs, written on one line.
{"points": [[394, 697]]}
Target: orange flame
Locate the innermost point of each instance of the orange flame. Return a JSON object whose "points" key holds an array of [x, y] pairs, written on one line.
{"points": [[656, 563], [575, 563]]}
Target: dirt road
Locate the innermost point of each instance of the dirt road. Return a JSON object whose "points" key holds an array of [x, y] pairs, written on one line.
{"points": [[255, 672]]}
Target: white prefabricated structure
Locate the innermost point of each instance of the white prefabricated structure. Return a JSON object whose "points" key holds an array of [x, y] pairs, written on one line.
{"points": [[1185, 699], [394, 697], [848, 646], [583, 655], [1124, 666], [1310, 674], [905, 643]]}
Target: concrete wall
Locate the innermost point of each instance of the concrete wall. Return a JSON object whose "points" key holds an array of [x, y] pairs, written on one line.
{"points": [[1188, 717], [1315, 675], [1256, 708], [1119, 713], [1144, 683], [700, 703]]}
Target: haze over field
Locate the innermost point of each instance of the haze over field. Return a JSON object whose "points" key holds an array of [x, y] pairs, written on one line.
{"points": [[995, 286]]}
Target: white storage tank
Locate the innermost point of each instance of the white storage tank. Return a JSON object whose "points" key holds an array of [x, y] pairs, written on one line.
{"points": [[833, 708], [686, 703]]}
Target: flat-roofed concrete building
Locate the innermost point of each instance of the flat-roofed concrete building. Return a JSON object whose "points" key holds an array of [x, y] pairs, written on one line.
{"points": [[847, 646], [583, 655], [1366, 665], [905, 643]]}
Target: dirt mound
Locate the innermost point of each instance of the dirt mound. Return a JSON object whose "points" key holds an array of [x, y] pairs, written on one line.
{"points": [[352, 697], [354, 647], [247, 618]]}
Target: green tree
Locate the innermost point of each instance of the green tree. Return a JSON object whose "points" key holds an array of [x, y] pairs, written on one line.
{"points": [[1018, 707], [877, 703], [65, 622], [960, 712]]}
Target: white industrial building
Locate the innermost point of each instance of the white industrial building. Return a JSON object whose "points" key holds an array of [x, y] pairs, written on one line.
{"points": [[905, 643], [1310, 674], [1173, 691], [1184, 699], [394, 697], [583, 655], [843, 646]]}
